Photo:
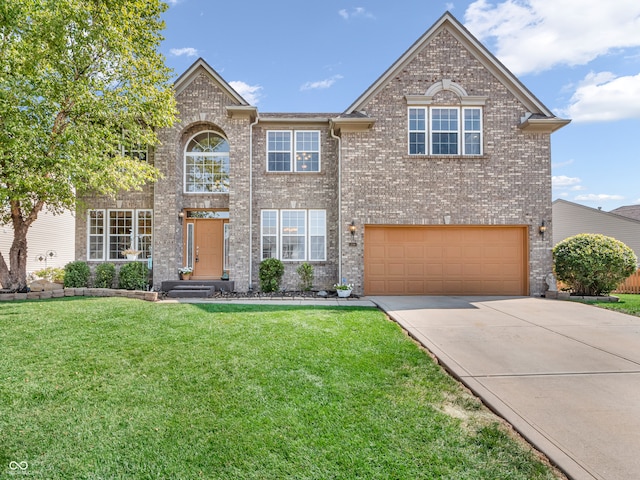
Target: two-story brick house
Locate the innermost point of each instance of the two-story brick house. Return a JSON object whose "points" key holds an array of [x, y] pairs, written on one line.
{"points": [[436, 180]]}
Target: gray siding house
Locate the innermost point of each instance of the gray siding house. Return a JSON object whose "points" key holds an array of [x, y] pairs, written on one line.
{"points": [[570, 219], [436, 180]]}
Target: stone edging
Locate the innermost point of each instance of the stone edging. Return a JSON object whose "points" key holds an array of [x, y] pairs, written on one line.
{"points": [[81, 292]]}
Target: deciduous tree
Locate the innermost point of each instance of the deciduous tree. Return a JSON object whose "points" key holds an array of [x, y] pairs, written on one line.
{"points": [[78, 79]]}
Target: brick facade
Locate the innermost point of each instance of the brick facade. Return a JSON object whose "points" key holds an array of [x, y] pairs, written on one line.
{"points": [[366, 175]]}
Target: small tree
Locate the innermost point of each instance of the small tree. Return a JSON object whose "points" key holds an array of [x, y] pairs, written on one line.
{"points": [[271, 271], [593, 264], [305, 272]]}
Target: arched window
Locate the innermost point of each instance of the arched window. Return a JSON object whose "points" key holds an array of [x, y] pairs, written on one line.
{"points": [[206, 164]]}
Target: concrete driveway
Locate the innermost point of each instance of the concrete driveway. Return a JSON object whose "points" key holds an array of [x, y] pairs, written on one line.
{"points": [[565, 375]]}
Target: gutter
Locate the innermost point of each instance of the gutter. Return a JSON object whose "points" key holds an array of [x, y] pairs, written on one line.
{"points": [[250, 286], [333, 135]]}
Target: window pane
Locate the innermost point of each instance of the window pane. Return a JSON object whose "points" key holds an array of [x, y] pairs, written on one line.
{"points": [[279, 151], [472, 144], [207, 172], [444, 119], [120, 233], [445, 143], [96, 235], [144, 233], [269, 233], [317, 234], [307, 151], [472, 131], [417, 131], [293, 235]]}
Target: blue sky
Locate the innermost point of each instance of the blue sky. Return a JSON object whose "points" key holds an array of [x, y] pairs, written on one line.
{"points": [[581, 58]]}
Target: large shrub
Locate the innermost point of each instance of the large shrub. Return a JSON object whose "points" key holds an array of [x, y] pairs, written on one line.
{"points": [[592, 264], [105, 273], [271, 271], [76, 274], [134, 276]]}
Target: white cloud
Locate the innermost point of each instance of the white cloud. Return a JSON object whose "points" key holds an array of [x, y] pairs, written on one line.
{"points": [[449, 6], [535, 35], [356, 12], [563, 164], [592, 197], [188, 51], [320, 84], [605, 97], [564, 181], [251, 93]]}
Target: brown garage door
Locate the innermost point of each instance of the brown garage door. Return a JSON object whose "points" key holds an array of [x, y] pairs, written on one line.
{"points": [[445, 260]]}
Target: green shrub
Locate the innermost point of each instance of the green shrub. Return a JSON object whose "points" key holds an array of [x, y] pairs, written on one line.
{"points": [[76, 274], [105, 273], [134, 276], [305, 272], [271, 271], [592, 264], [51, 274]]}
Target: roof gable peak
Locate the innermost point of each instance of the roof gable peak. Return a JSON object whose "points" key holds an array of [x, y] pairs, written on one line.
{"points": [[200, 65]]}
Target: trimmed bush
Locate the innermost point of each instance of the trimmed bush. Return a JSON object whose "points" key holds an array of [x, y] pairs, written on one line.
{"points": [[134, 276], [271, 271], [305, 272], [592, 264], [76, 274], [105, 273]]}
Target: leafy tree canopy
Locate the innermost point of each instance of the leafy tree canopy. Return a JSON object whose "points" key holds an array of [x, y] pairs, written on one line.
{"points": [[78, 80]]}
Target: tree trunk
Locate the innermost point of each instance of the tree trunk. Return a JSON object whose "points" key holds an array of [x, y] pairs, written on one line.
{"points": [[14, 276]]}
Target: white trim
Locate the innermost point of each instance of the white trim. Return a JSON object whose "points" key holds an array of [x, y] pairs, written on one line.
{"points": [[464, 131], [297, 235], [90, 235], [279, 217], [262, 234], [134, 233], [324, 235]]}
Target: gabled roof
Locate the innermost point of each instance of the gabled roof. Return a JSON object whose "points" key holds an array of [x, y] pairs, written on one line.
{"points": [[543, 116], [630, 211], [597, 211], [200, 65]]}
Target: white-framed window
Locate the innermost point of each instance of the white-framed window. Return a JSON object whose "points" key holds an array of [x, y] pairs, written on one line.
{"points": [[109, 232], [206, 164], [132, 148], [293, 151], [293, 235], [445, 130]]}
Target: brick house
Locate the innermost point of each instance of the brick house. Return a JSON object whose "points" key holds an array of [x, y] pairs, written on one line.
{"points": [[434, 181]]}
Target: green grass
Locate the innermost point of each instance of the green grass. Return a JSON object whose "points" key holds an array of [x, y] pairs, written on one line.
{"points": [[116, 388], [628, 304]]}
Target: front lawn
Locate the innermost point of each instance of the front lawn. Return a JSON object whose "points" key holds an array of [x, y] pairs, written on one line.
{"points": [[628, 304], [116, 388]]}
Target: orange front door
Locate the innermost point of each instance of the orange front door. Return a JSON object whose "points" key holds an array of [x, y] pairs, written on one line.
{"points": [[204, 243]]}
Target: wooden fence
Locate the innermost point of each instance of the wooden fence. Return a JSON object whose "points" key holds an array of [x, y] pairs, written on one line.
{"points": [[630, 285]]}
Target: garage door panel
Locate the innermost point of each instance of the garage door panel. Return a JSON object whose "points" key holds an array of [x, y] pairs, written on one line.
{"points": [[446, 260]]}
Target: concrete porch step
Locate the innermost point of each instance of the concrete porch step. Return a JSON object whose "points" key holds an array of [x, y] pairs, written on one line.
{"points": [[220, 285], [191, 291]]}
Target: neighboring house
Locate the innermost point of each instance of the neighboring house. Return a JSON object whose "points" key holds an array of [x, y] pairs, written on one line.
{"points": [[48, 241], [434, 181], [631, 211], [570, 219]]}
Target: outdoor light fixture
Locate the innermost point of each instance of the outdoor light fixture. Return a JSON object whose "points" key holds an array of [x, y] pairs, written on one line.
{"points": [[181, 216], [542, 228], [352, 229]]}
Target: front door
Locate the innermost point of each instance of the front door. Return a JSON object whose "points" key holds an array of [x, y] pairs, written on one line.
{"points": [[204, 247]]}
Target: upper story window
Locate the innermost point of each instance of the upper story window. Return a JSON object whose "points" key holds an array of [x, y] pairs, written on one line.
{"points": [[132, 148], [445, 131], [435, 128], [293, 151], [206, 164]]}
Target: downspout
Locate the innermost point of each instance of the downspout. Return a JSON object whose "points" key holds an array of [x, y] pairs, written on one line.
{"points": [[333, 135], [250, 287]]}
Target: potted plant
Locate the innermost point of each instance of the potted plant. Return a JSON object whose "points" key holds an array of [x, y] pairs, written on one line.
{"points": [[343, 289], [185, 272], [131, 253]]}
